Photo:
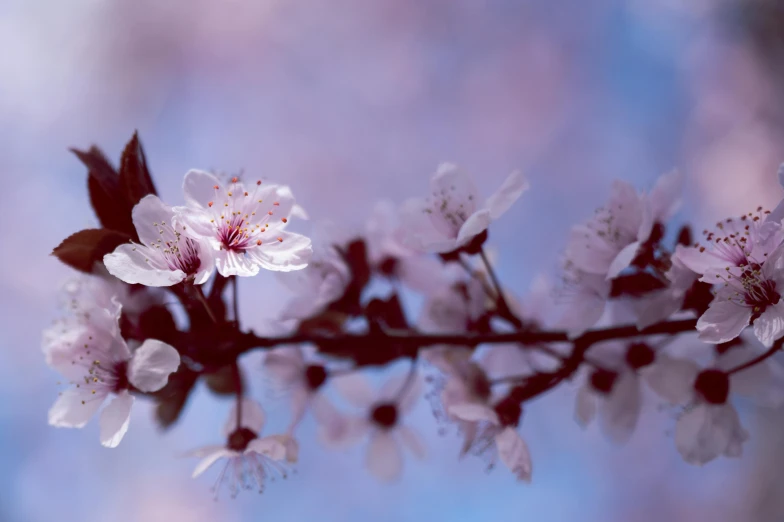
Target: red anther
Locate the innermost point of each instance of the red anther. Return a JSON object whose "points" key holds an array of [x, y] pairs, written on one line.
{"points": [[258, 182], [210, 204], [285, 220], [276, 204], [216, 187], [258, 242], [234, 179], [280, 239]]}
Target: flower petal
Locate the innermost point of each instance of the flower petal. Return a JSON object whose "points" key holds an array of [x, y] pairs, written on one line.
{"points": [[151, 365], [286, 251], [473, 412], [707, 431], [623, 259], [384, 458], [509, 192], [514, 453], [133, 265], [620, 411], [584, 406], [148, 214], [211, 459], [285, 364], [769, 326], [672, 379], [355, 388], [73, 408], [475, 224], [412, 441], [115, 419], [270, 447], [199, 187], [231, 263], [723, 321]]}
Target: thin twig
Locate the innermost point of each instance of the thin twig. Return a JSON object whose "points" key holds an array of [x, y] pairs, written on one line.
{"points": [[758, 359]]}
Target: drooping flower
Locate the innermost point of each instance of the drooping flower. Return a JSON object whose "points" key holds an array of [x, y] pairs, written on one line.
{"points": [[751, 295], [453, 215], [250, 458], [610, 241], [92, 354], [297, 371], [661, 304], [244, 225], [167, 255], [382, 422]]}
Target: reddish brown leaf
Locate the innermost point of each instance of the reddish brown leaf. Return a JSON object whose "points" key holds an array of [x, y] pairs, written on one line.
{"points": [[134, 176], [87, 247]]}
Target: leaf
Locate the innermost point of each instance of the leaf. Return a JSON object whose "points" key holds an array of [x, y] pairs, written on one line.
{"points": [[87, 247], [106, 194], [135, 179], [173, 397]]}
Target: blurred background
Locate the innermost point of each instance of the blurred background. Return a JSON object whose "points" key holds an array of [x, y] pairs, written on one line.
{"points": [[348, 102]]}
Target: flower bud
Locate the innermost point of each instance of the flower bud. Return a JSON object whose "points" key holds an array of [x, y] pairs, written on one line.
{"points": [[713, 385]]}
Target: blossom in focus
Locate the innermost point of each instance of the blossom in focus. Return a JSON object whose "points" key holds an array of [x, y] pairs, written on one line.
{"points": [[244, 225], [453, 215], [166, 255], [381, 423], [297, 371], [250, 458], [751, 294], [95, 358]]}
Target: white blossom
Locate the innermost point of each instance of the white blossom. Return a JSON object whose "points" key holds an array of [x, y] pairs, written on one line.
{"points": [[166, 255], [92, 354], [323, 281], [244, 225], [453, 215], [250, 458]]}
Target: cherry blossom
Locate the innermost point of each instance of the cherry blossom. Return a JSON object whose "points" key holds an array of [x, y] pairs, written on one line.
{"points": [[94, 356], [659, 305], [452, 216], [166, 255], [382, 422], [250, 459], [389, 254], [610, 241], [584, 299], [750, 295], [244, 225], [301, 374], [736, 243]]}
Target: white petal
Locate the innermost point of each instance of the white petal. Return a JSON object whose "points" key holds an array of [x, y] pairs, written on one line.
{"points": [[231, 263], [723, 321], [147, 214], [133, 265], [623, 259], [473, 412], [672, 379], [285, 364], [769, 326], [270, 447], [584, 406], [505, 360], [115, 419], [509, 192], [455, 183], [420, 233], [73, 408], [335, 429], [204, 450], [699, 259], [355, 388], [514, 453], [384, 458], [665, 197], [292, 253], [403, 391], [708, 431], [199, 187], [252, 417], [620, 411], [475, 224], [151, 365], [211, 459], [412, 441]]}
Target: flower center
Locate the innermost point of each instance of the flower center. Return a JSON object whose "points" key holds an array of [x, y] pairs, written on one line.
{"points": [[639, 355], [603, 380], [760, 294], [509, 411], [316, 375], [179, 253], [240, 438], [713, 385], [385, 415]]}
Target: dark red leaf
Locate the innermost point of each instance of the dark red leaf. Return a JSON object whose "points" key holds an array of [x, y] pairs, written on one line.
{"points": [[87, 247], [106, 194], [173, 397], [135, 178], [225, 381]]}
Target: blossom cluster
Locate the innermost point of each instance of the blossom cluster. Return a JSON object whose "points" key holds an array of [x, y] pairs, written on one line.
{"points": [[476, 351]]}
